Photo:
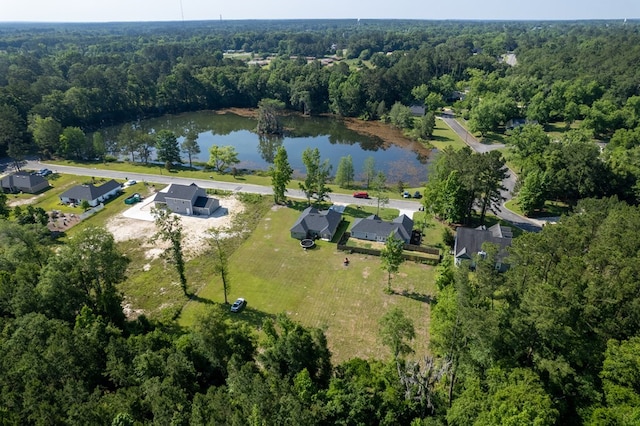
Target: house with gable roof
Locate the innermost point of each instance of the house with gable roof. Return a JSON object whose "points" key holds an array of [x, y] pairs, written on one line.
{"points": [[24, 182], [186, 199], [469, 241], [94, 195], [372, 228], [314, 223]]}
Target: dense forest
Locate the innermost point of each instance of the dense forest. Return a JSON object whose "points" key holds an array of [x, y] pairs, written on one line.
{"points": [[552, 341]]}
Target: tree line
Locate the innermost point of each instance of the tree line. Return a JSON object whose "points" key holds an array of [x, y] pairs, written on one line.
{"points": [[552, 341], [99, 75]]}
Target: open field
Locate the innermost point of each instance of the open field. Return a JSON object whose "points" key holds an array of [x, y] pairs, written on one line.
{"points": [[314, 287], [268, 268]]}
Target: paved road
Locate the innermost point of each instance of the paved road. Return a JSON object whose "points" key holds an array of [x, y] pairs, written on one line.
{"points": [[405, 206], [509, 183]]}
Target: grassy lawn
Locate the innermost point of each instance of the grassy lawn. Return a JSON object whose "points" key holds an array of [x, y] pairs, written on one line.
{"points": [[551, 208], [255, 178], [557, 129], [443, 137], [112, 207], [432, 232], [49, 200], [275, 275]]}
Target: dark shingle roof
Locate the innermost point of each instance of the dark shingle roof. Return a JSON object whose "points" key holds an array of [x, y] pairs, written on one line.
{"points": [[178, 192], [182, 192], [90, 192], [24, 179], [469, 240], [314, 220], [204, 202], [400, 226]]}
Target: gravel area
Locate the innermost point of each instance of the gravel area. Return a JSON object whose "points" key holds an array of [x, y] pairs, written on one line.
{"points": [[137, 223]]}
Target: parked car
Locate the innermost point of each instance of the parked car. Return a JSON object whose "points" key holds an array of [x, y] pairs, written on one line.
{"points": [[417, 194], [238, 305], [361, 194], [406, 194], [129, 183], [44, 172]]}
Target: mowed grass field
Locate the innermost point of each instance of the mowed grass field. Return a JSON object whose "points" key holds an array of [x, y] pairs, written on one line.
{"points": [[274, 274], [443, 137]]}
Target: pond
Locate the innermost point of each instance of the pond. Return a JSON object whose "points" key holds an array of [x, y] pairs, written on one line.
{"points": [[329, 135]]}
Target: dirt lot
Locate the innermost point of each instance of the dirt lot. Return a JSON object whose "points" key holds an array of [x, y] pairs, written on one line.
{"points": [[137, 223]]}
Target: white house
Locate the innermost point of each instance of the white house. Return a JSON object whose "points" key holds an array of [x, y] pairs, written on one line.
{"points": [[94, 195]]}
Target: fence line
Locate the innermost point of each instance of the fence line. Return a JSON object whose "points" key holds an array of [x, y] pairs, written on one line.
{"points": [[91, 211], [407, 256]]}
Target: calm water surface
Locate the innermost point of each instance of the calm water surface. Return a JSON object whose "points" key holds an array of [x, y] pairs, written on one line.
{"points": [[329, 135]]}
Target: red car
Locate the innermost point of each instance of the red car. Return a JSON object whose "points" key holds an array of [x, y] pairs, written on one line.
{"points": [[361, 195]]}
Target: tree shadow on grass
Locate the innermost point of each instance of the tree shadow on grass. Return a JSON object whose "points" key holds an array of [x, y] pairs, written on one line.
{"points": [[420, 297], [252, 316], [342, 228], [356, 212], [439, 138], [198, 299], [302, 204], [247, 315]]}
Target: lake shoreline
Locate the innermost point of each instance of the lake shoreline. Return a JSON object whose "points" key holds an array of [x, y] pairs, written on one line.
{"points": [[377, 129]]}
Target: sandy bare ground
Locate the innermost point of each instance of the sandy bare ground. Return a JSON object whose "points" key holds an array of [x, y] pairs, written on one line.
{"points": [[137, 223], [23, 201]]}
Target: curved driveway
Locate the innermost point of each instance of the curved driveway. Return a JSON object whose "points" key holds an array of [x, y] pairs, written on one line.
{"points": [[509, 182]]}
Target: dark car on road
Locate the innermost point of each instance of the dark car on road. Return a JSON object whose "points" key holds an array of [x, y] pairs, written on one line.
{"points": [[361, 194], [238, 305]]}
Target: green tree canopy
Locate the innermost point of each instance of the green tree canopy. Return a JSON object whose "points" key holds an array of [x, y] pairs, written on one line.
{"points": [[222, 157], [167, 149], [281, 173]]}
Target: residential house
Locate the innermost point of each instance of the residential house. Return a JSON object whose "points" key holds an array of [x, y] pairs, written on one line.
{"points": [[373, 228], [24, 182], [314, 223], [469, 241], [94, 195], [514, 123], [417, 110], [187, 199]]}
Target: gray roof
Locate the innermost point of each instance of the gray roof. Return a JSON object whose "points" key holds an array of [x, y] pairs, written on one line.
{"points": [[179, 192], [204, 202], [469, 240], [24, 179], [400, 226], [90, 192], [317, 221]]}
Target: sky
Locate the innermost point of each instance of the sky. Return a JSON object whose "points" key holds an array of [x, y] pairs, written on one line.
{"points": [[176, 10]]}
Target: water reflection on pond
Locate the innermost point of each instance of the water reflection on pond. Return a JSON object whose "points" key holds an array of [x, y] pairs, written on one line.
{"points": [[329, 135]]}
